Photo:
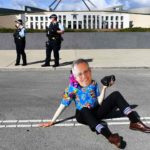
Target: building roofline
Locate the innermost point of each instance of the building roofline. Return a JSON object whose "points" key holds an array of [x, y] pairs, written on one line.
{"points": [[108, 11]]}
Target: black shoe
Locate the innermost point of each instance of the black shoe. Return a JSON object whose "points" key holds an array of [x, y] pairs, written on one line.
{"points": [[56, 65], [17, 64], [45, 65], [24, 64], [117, 141]]}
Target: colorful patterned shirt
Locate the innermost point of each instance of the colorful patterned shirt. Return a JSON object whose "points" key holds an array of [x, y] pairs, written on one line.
{"points": [[82, 96]]}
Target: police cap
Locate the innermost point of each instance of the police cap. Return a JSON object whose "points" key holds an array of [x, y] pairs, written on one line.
{"points": [[53, 16], [19, 21]]}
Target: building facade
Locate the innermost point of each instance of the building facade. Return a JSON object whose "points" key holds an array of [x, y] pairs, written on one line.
{"points": [[79, 20]]}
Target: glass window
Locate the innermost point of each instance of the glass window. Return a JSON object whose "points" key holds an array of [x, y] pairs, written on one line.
{"points": [[116, 17], [36, 25], [106, 26], [112, 17], [31, 25], [41, 18], [121, 17], [84, 17], [36, 18], [31, 18], [121, 25], [64, 23], [46, 18], [116, 25], [74, 16], [64, 17], [41, 25], [74, 24], [69, 24], [80, 24], [59, 17], [112, 25]]}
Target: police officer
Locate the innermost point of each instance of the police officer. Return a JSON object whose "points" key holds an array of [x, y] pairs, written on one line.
{"points": [[54, 32], [19, 38]]}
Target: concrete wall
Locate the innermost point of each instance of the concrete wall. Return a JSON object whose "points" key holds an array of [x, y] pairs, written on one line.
{"points": [[7, 21], [95, 40], [142, 21]]}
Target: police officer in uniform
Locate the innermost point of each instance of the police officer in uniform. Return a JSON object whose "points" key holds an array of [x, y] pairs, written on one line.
{"points": [[54, 32], [19, 38]]}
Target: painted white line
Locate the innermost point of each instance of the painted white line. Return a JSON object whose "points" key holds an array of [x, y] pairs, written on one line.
{"points": [[46, 120], [78, 124], [71, 120], [9, 121], [64, 125], [29, 121], [32, 121], [23, 121], [23, 126], [11, 126], [68, 123], [125, 118], [35, 125]]}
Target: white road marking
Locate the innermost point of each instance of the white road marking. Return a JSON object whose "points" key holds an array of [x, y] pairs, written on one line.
{"points": [[67, 123], [11, 126], [9, 121]]}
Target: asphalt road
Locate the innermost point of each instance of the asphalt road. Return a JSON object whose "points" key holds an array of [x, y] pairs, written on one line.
{"points": [[35, 95]]}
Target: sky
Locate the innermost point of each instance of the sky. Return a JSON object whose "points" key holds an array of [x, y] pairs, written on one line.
{"points": [[74, 4]]}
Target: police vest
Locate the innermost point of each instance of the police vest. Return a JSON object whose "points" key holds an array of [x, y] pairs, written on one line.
{"points": [[52, 31], [17, 36]]}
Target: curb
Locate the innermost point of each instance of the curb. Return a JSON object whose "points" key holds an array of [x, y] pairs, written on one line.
{"points": [[67, 68]]}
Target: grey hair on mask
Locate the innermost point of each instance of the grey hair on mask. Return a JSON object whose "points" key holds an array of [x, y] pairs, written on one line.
{"points": [[77, 62]]}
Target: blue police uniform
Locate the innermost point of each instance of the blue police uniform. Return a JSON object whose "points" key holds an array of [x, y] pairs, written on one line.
{"points": [[53, 43], [20, 42]]}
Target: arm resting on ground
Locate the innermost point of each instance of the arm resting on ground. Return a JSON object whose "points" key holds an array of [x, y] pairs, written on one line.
{"points": [[58, 112]]}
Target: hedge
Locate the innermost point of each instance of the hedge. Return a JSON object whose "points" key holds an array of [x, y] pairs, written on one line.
{"points": [[138, 29]]}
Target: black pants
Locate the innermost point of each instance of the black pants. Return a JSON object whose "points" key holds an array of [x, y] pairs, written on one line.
{"points": [[92, 117], [20, 49], [52, 45]]}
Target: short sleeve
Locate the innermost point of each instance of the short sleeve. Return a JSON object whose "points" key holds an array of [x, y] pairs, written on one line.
{"points": [[61, 27], [22, 32], [66, 100]]}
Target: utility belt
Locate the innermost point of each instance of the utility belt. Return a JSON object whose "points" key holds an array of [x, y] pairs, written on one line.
{"points": [[54, 38], [19, 39]]}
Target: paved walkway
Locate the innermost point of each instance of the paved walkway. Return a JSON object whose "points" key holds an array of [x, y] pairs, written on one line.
{"points": [[103, 58]]}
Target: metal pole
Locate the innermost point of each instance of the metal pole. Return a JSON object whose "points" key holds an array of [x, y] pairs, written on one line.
{"points": [[57, 4], [92, 3], [86, 5], [52, 3]]}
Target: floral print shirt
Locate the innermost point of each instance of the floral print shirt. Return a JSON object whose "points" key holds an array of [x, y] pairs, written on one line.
{"points": [[82, 96]]}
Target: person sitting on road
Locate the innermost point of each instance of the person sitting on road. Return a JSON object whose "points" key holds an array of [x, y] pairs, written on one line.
{"points": [[92, 106]]}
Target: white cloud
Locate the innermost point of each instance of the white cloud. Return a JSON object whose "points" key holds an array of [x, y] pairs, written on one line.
{"points": [[142, 2], [19, 4], [76, 4], [79, 5]]}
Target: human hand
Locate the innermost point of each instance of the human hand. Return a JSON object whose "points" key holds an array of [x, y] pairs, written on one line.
{"points": [[111, 83], [46, 124]]}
